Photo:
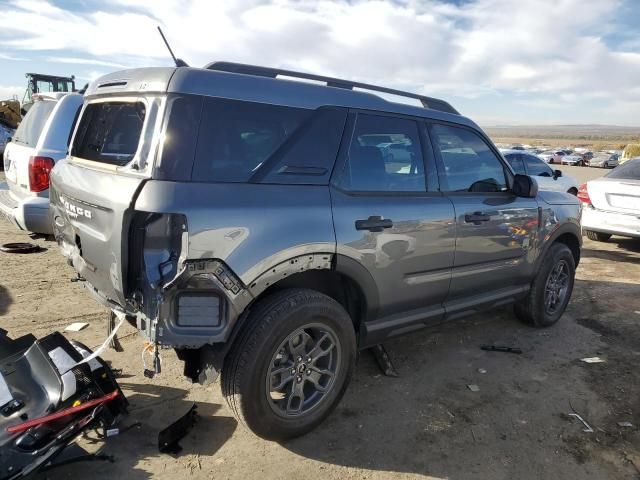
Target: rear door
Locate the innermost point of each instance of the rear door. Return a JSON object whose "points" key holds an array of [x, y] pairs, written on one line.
{"points": [[389, 216], [23, 145], [93, 189], [495, 229]]}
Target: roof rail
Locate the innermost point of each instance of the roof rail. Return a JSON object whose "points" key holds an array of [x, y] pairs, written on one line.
{"points": [[427, 102]]}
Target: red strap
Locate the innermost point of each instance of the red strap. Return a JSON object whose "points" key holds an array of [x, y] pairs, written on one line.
{"points": [[21, 427]]}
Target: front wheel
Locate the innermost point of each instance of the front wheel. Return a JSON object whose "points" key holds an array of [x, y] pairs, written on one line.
{"points": [[551, 289], [290, 368]]}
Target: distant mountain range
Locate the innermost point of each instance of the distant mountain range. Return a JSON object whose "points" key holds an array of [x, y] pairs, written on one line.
{"points": [[583, 132]]}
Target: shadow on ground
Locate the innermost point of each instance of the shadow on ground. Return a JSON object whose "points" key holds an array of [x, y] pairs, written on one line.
{"points": [[155, 407]]}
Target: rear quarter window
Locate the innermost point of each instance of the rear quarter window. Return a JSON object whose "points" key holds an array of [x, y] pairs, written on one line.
{"points": [[109, 132], [33, 123], [237, 137]]}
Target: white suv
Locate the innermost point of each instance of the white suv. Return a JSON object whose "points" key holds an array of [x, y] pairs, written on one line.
{"points": [[39, 142]]}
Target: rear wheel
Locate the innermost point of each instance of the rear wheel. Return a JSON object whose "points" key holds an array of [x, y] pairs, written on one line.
{"points": [[598, 236], [551, 289], [291, 366]]}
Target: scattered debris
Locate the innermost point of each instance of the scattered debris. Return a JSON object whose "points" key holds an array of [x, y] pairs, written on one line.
{"points": [[588, 428], [497, 348], [625, 424], [384, 360], [51, 390], [169, 437], [473, 388], [76, 327], [482, 370], [593, 360], [20, 247]]}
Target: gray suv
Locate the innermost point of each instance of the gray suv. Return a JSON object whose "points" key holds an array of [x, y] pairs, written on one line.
{"points": [[267, 228]]}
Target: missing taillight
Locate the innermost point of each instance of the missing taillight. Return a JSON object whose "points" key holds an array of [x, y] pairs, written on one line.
{"points": [[39, 171]]}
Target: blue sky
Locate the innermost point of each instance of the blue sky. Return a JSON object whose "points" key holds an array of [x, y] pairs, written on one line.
{"points": [[498, 61]]}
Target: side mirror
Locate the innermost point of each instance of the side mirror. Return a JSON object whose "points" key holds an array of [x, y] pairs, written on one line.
{"points": [[9, 139], [557, 173], [525, 186]]}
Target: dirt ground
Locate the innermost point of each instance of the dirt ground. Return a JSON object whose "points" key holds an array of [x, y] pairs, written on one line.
{"points": [[425, 424]]}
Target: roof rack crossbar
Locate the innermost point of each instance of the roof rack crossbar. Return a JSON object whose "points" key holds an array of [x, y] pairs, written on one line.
{"points": [[427, 102]]}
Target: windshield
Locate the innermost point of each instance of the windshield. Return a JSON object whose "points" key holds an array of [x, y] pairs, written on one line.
{"points": [[29, 130], [629, 170]]}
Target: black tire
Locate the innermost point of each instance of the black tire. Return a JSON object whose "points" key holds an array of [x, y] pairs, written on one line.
{"points": [[249, 363], [533, 309], [598, 236]]}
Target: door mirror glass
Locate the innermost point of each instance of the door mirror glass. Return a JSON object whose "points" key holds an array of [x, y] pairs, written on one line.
{"points": [[525, 186]]}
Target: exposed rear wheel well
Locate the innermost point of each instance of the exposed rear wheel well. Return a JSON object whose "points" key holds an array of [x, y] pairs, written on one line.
{"points": [[573, 243], [341, 288]]}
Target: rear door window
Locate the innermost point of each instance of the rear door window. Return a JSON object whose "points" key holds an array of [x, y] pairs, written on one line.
{"points": [[109, 132], [237, 137], [32, 124], [627, 171]]}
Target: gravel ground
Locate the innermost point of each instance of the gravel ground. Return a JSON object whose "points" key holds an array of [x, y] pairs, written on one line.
{"points": [[424, 424]]}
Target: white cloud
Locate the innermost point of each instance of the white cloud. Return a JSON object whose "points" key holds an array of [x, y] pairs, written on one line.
{"points": [[8, 92], [480, 49]]}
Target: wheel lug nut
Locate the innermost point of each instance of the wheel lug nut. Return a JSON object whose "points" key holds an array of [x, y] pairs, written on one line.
{"points": [[308, 372], [293, 371], [299, 379], [299, 359], [308, 359]]}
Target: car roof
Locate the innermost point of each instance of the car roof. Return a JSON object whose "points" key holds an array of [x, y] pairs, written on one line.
{"points": [[256, 88], [49, 96]]}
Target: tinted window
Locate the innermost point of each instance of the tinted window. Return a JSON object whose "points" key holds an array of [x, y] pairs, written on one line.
{"points": [[32, 124], [515, 160], [236, 137], [629, 170], [109, 132], [537, 167], [467, 162], [308, 156], [182, 119], [384, 156]]}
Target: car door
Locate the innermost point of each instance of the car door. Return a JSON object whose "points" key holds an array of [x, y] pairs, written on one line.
{"points": [[389, 217], [496, 230]]}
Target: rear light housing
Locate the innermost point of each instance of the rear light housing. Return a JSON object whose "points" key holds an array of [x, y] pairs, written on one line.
{"points": [[39, 170], [583, 194]]}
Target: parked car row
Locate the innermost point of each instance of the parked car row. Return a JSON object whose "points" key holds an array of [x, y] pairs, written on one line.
{"points": [[580, 159]]}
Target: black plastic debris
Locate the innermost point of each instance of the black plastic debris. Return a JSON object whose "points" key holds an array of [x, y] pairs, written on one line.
{"points": [[169, 437], [498, 348], [51, 390], [384, 360], [20, 247]]}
